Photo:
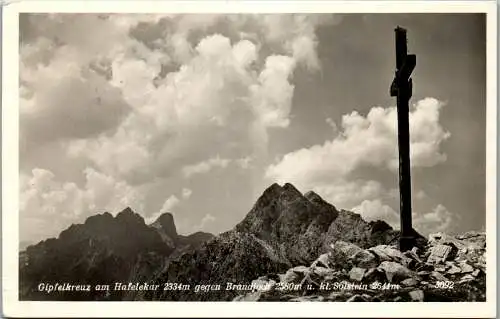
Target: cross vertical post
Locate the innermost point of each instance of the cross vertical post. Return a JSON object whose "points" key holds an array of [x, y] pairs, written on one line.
{"points": [[401, 87]]}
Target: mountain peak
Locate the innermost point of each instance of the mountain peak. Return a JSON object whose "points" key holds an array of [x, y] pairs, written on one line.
{"points": [[166, 223], [282, 213], [126, 211], [272, 190], [129, 216], [290, 192]]}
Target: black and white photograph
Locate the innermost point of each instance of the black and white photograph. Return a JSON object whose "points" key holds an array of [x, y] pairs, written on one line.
{"points": [[247, 157]]}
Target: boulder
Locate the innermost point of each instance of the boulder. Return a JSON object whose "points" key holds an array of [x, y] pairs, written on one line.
{"points": [[435, 237], [439, 254], [343, 252], [374, 274], [466, 268], [466, 278], [409, 282], [325, 273], [454, 270], [395, 272], [440, 268], [364, 259], [417, 295], [413, 255], [388, 253], [357, 273], [322, 261], [438, 276], [291, 276], [300, 269]]}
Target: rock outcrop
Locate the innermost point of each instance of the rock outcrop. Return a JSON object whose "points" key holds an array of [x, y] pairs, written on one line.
{"points": [[415, 276]]}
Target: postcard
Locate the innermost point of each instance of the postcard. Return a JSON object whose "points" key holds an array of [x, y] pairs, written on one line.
{"points": [[233, 158]]}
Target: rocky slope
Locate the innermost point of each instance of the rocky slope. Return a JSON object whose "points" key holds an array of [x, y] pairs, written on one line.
{"points": [[449, 268], [103, 250]]}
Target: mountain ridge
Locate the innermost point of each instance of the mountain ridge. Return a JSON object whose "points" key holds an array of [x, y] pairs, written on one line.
{"points": [[284, 228]]}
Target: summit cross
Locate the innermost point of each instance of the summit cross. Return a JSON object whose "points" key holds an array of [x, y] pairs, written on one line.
{"points": [[401, 87]]}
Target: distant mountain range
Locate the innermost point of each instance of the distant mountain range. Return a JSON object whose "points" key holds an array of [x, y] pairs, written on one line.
{"points": [[283, 229]]}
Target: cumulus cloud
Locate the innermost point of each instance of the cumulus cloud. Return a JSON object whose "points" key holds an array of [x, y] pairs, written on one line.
{"points": [[203, 109], [273, 94], [205, 166], [47, 204], [60, 101], [169, 204], [148, 98], [348, 193], [366, 142], [375, 210], [438, 219], [205, 222]]}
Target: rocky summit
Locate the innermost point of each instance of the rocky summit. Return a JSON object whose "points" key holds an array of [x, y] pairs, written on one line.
{"points": [[289, 247], [448, 268]]}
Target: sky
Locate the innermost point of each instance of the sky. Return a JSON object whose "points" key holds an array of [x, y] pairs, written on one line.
{"points": [[198, 114]]}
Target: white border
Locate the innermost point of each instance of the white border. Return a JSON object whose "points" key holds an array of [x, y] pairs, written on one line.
{"points": [[10, 168]]}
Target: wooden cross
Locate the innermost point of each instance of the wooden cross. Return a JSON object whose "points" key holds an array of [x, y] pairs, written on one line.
{"points": [[401, 87]]}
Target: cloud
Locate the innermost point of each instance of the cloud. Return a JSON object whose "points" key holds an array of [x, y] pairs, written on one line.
{"points": [[205, 222], [147, 99], [204, 167], [169, 206], [170, 203], [366, 141], [272, 96], [47, 205], [186, 193], [294, 34], [244, 162], [420, 194], [110, 92], [348, 193], [372, 210], [60, 101], [332, 124], [439, 219]]}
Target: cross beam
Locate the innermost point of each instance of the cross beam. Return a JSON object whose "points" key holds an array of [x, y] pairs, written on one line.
{"points": [[402, 87]]}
